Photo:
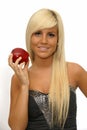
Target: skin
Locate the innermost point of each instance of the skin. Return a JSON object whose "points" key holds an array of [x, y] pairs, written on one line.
{"points": [[38, 76]]}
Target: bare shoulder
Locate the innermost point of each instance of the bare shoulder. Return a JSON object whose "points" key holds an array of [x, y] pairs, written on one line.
{"points": [[75, 67], [79, 75]]}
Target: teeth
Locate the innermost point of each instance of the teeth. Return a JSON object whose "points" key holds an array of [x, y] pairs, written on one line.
{"points": [[43, 48]]}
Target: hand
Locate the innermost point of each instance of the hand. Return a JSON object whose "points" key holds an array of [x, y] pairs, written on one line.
{"points": [[21, 70]]}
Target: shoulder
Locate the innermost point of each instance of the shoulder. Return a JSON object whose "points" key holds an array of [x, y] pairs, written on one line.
{"points": [[74, 64], [73, 72], [79, 75], [75, 67]]}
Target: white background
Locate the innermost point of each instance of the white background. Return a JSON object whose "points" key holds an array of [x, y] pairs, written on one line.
{"points": [[14, 16]]}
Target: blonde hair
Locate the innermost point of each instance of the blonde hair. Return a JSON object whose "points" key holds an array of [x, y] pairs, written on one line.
{"points": [[59, 87]]}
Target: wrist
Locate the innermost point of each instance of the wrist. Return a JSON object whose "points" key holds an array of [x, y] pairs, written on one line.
{"points": [[24, 88]]}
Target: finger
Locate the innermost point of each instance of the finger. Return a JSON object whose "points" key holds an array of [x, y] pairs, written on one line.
{"points": [[13, 65], [27, 64], [22, 65], [10, 61], [18, 60]]}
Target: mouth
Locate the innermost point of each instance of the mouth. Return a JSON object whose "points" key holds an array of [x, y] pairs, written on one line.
{"points": [[43, 48]]}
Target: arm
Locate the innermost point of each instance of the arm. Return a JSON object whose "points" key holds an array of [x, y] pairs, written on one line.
{"points": [[18, 116], [82, 80], [81, 76]]}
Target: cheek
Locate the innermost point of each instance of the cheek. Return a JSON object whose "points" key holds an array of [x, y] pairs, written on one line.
{"points": [[33, 44], [55, 47], [54, 44], [34, 40]]}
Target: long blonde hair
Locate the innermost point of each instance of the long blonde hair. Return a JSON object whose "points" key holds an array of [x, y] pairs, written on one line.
{"points": [[59, 87]]}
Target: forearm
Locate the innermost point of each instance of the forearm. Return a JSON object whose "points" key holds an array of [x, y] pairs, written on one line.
{"points": [[18, 118]]}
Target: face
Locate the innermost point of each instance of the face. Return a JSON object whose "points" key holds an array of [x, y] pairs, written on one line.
{"points": [[44, 42]]}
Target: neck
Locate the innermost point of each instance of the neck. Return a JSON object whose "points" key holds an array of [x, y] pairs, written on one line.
{"points": [[42, 62]]}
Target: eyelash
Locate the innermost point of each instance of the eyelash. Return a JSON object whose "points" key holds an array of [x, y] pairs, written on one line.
{"points": [[37, 33], [51, 34]]}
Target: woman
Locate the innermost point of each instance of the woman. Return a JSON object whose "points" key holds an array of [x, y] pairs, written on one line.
{"points": [[43, 95]]}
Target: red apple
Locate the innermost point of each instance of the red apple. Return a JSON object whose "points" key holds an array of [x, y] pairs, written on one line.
{"points": [[20, 52]]}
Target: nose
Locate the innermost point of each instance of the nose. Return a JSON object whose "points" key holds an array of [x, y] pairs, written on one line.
{"points": [[44, 39]]}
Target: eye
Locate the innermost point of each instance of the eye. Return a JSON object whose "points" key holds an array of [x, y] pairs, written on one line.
{"points": [[37, 33], [51, 35]]}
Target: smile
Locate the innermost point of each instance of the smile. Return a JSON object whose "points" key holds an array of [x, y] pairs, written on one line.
{"points": [[43, 48]]}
